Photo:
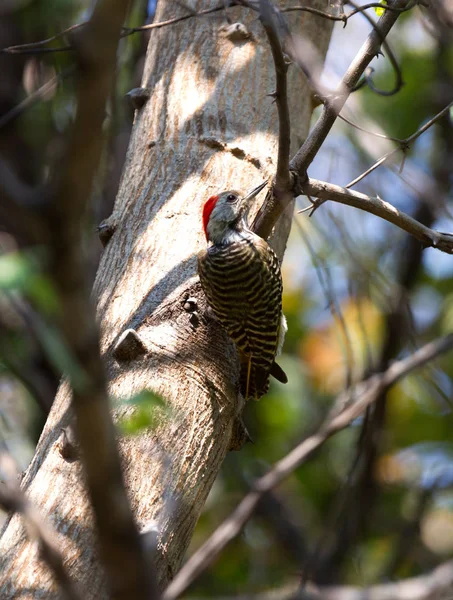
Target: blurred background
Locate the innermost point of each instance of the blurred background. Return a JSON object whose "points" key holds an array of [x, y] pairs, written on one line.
{"points": [[375, 503]]}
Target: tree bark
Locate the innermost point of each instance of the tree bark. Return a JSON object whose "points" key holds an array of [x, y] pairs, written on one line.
{"points": [[208, 125]]}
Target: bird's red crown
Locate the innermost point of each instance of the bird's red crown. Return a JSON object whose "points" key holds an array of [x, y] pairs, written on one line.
{"points": [[207, 210]]}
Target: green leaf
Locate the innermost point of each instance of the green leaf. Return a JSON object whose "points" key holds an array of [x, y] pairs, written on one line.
{"points": [[150, 409], [379, 10], [15, 271], [147, 397], [21, 272]]}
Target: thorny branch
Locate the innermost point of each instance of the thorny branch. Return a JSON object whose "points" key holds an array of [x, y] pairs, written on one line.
{"points": [[332, 107], [342, 415], [281, 191], [376, 206], [389, 53], [403, 145], [41, 46], [282, 177], [305, 155]]}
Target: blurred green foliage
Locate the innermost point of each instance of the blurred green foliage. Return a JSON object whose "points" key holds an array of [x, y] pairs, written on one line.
{"points": [[359, 258]]}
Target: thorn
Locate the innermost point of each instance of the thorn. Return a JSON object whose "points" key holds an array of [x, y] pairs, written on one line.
{"points": [[191, 305], [274, 96], [316, 205], [298, 182], [236, 32], [304, 210], [380, 53], [194, 319], [138, 97], [129, 346], [68, 447], [105, 231]]}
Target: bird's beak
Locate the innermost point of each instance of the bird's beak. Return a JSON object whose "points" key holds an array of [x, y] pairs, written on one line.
{"points": [[253, 193]]}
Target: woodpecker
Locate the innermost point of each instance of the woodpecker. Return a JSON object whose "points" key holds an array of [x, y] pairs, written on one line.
{"points": [[241, 278]]}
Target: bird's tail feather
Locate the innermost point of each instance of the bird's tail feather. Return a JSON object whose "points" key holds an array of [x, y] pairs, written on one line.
{"points": [[254, 380], [279, 374]]}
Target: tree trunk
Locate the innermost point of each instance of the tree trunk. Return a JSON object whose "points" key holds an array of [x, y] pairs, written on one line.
{"points": [[208, 125]]}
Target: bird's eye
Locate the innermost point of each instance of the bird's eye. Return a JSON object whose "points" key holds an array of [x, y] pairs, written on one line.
{"points": [[231, 198]]}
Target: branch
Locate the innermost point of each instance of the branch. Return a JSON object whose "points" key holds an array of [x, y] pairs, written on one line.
{"points": [[40, 46], [423, 587], [433, 586], [333, 103], [281, 192], [403, 144], [345, 17], [121, 551], [339, 418], [37, 46], [13, 499], [282, 177], [374, 205], [306, 154], [389, 52]]}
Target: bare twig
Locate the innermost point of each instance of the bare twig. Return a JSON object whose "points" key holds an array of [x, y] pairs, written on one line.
{"points": [[41, 45], [23, 48], [316, 11], [34, 97], [403, 145], [190, 15], [332, 107], [305, 155], [398, 75], [13, 499], [370, 48], [376, 165], [281, 191], [374, 205], [345, 17], [282, 177], [364, 394], [432, 586], [375, 133]]}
